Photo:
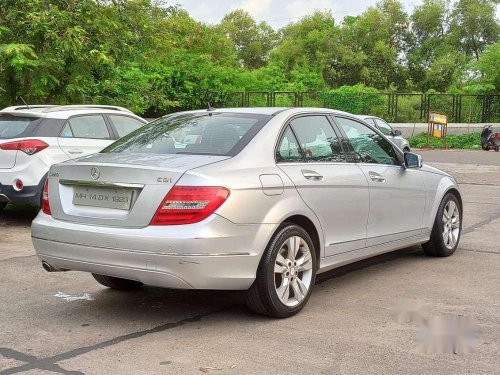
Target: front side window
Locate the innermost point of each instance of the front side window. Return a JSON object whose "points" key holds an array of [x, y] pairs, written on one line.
{"points": [[369, 146], [317, 139], [288, 150], [124, 124], [198, 134], [384, 127], [93, 127]]}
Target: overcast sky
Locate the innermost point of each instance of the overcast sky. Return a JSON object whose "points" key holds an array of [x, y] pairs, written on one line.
{"points": [[277, 12]]}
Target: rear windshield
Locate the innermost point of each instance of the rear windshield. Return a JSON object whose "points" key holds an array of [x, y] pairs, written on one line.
{"points": [[197, 134], [14, 126]]}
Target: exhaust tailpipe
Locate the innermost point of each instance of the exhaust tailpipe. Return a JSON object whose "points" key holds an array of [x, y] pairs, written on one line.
{"points": [[47, 267]]}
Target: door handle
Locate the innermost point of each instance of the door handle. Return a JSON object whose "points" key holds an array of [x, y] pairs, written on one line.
{"points": [[75, 151], [376, 177], [311, 175]]}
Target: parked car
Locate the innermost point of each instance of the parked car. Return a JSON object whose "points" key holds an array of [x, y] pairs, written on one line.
{"points": [[35, 137], [256, 199], [386, 129]]}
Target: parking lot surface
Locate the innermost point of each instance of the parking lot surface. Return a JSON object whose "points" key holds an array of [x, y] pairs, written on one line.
{"points": [[67, 323]]}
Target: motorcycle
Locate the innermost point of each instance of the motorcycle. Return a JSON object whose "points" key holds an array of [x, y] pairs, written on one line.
{"points": [[490, 140]]}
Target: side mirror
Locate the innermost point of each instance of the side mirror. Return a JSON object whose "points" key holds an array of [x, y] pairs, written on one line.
{"points": [[412, 160], [397, 133]]}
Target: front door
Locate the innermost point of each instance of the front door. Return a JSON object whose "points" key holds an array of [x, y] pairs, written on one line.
{"points": [[397, 194], [311, 154]]}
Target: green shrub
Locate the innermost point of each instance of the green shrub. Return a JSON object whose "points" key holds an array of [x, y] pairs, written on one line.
{"points": [[356, 99], [471, 141]]}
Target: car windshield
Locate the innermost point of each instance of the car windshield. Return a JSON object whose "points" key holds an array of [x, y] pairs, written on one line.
{"points": [[13, 126], [194, 133]]}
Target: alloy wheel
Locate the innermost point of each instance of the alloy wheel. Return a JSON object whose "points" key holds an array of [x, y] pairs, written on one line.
{"points": [[293, 271], [451, 224]]}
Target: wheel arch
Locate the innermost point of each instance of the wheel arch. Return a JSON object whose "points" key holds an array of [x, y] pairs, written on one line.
{"points": [[309, 226], [456, 193]]}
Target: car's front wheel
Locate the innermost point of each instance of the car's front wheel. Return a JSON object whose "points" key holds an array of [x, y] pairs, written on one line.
{"points": [[286, 274], [116, 283], [447, 228]]}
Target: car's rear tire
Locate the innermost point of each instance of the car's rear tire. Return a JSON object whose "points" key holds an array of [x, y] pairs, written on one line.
{"points": [[117, 283], [286, 274], [2, 205], [447, 228]]}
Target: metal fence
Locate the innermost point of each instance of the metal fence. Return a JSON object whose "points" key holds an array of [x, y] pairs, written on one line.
{"points": [[395, 107]]}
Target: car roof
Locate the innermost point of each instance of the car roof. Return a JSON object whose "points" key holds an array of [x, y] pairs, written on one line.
{"points": [[268, 111], [63, 111]]}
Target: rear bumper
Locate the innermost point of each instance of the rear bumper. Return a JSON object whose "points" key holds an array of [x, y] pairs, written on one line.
{"points": [[33, 177], [28, 195], [214, 254]]}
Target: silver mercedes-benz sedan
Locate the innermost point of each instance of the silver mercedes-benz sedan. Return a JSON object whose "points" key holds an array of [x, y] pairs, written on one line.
{"points": [[259, 199]]}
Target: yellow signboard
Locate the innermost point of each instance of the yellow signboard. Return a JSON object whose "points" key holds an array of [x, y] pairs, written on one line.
{"points": [[438, 118], [438, 124], [438, 131]]}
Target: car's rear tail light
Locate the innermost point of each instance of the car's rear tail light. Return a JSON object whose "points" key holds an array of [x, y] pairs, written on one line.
{"points": [[29, 146], [189, 204], [45, 198]]}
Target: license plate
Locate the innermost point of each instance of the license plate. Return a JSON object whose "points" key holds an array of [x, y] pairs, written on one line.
{"points": [[119, 199]]}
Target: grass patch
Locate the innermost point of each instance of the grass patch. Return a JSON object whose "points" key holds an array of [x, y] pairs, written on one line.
{"points": [[471, 141]]}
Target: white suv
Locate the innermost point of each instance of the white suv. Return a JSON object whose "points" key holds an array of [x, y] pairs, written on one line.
{"points": [[32, 138]]}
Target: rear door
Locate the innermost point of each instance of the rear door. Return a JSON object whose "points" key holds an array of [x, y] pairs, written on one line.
{"points": [[311, 154], [84, 135], [397, 194]]}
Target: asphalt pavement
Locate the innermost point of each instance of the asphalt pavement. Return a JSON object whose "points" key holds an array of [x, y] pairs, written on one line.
{"points": [[365, 318]]}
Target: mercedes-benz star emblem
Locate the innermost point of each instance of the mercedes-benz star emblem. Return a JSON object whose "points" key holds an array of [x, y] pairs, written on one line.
{"points": [[95, 173]]}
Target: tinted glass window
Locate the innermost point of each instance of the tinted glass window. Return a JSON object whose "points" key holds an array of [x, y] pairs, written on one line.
{"points": [[13, 126], [212, 134], [317, 139], [383, 127], [369, 146], [124, 124], [86, 127], [288, 150]]}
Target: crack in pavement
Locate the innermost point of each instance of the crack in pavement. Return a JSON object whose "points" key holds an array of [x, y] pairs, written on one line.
{"points": [[50, 363], [481, 224], [480, 251]]}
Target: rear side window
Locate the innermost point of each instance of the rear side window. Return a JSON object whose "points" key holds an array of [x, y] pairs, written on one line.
{"points": [[317, 139], [198, 134], [14, 126], [125, 125], [92, 126], [288, 150]]}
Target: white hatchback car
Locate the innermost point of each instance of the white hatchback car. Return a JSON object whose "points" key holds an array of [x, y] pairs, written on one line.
{"points": [[32, 138]]}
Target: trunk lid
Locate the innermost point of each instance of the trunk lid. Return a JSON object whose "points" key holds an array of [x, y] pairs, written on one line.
{"points": [[122, 190]]}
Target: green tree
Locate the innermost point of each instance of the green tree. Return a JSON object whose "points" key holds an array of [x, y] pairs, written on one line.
{"points": [[489, 66], [474, 25], [252, 41]]}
